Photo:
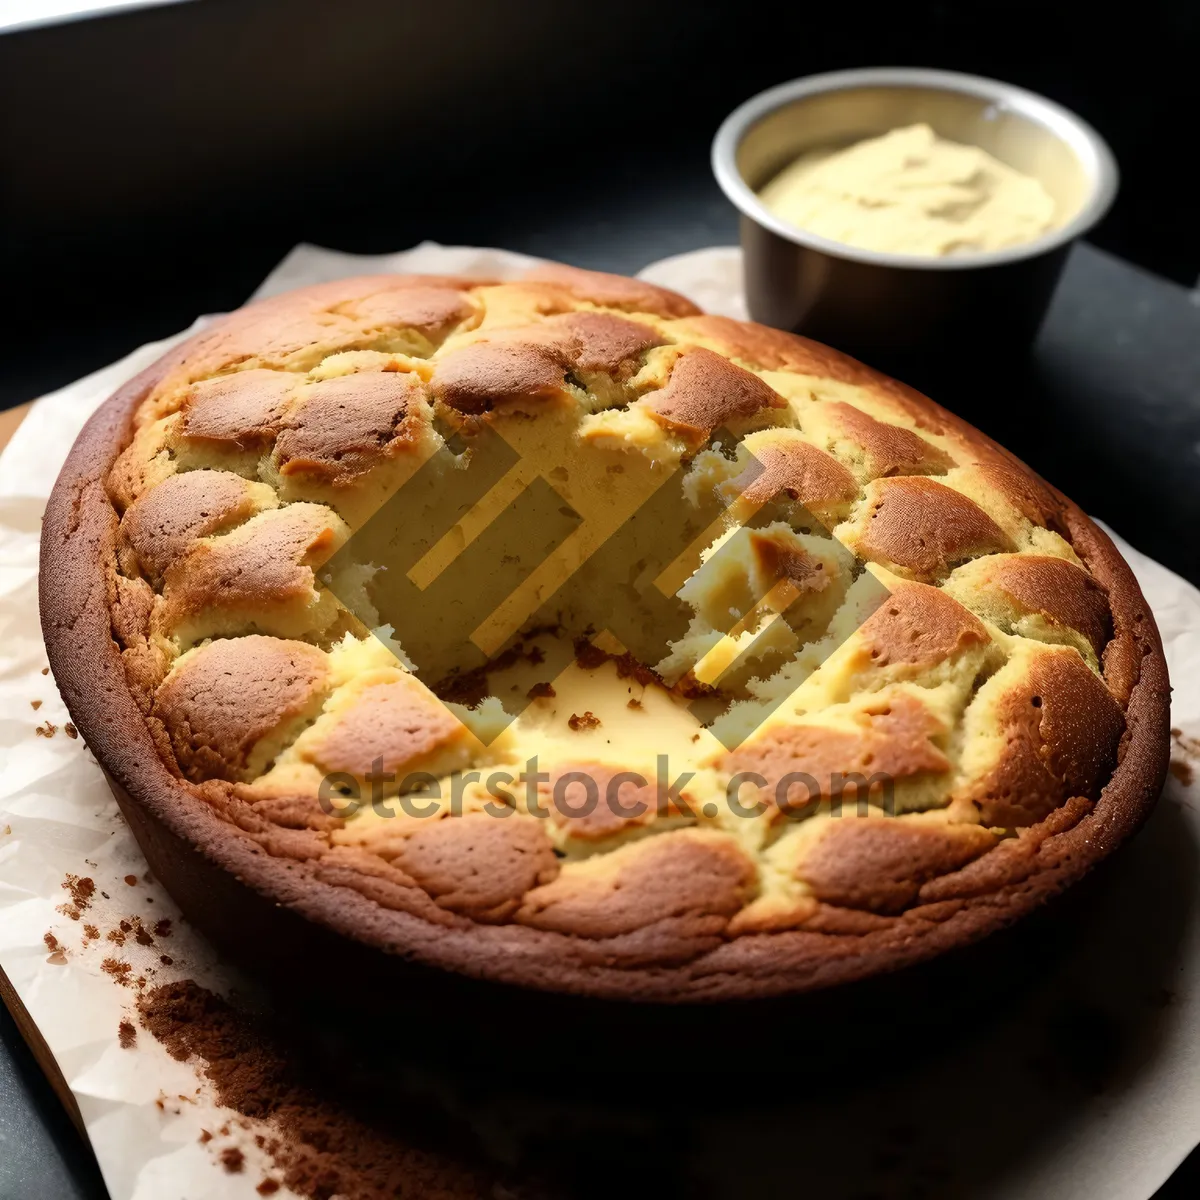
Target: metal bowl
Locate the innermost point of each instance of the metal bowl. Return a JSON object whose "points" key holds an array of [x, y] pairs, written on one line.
{"points": [[897, 310]]}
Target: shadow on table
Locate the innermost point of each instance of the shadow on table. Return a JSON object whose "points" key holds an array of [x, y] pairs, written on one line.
{"points": [[954, 1079]]}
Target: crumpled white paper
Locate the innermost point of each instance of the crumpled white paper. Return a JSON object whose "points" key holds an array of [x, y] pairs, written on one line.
{"points": [[144, 1112]]}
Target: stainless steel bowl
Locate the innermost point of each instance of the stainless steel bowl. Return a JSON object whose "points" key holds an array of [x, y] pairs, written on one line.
{"points": [[896, 310]]}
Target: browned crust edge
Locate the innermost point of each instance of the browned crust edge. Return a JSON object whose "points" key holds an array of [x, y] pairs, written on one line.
{"points": [[78, 539]]}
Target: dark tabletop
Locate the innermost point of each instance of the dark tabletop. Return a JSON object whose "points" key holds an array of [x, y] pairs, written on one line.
{"points": [[1107, 407]]}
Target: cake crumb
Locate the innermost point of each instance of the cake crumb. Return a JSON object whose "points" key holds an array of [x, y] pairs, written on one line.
{"points": [[58, 955], [81, 890], [70, 730], [589, 657], [162, 928], [318, 1147], [634, 703], [45, 670], [581, 721], [541, 691], [233, 1160], [205, 1137], [127, 1034], [165, 959], [131, 880], [91, 933], [117, 969], [46, 729], [35, 704]]}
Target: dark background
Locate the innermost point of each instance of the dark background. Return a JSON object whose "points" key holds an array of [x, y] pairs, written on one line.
{"points": [[157, 163]]}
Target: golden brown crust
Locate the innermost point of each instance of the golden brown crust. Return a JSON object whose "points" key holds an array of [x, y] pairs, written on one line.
{"points": [[783, 462], [264, 564], [880, 864], [705, 391], [222, 700], [597, 341], [1028, 494], [887, 449], [244, 409], [1061, 731], [1056, 589], [391, 727], [920, 625], [592, 801], [922, 526], [478, 865], [613, 291], [429, 308], [694, 879], [167, 521], [892, 742], [343, 427], [296, 329], [483, 375], [650, 920]]}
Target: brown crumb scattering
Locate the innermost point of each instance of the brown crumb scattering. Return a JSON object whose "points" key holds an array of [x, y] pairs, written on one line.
{"points": [[51, 941], [589, 657], [70, 730], [634, 703], [585, 720], [47, 729], [127, 1034], [91, 932], [117, 969], [233, 1160], [319, 1147], [81, 890], [541, 691], [35, 704]]}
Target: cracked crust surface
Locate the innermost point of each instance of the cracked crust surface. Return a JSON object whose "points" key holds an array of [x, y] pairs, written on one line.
{"points": [[1011, 688]]}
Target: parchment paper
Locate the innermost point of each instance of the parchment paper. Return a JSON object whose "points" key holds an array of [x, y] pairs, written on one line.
{"points": [[1115, 1135]]}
